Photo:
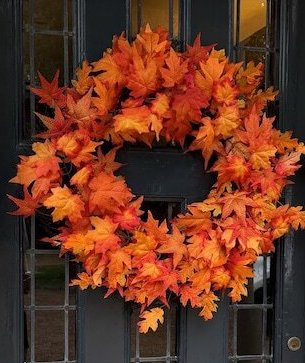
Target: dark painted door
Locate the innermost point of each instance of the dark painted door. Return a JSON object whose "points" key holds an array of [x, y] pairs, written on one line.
{"points": [[255, 331]]}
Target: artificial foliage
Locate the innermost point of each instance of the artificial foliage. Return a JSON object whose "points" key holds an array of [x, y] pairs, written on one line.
{"points": [[144, 91]]}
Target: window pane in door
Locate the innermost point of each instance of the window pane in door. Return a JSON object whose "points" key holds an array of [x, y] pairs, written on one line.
{"points": [[161, 344], [155, 12]]}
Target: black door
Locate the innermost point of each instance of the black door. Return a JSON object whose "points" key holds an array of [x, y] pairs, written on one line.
{"points": [[41, 318]]}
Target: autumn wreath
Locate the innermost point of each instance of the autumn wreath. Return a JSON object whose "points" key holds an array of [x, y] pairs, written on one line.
{"points": [[142, 92]]}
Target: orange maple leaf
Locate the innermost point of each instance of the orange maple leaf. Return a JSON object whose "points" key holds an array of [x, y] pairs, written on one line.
{"points": [[49, 92], [197, 52], [134, 119], [260, 158], [160, 105], [107, 97], [128, 218], [174, 245], [143, 78], [287, 164], [79, 244], [152, 42], [227, 121], [80, 111], [206, 140], [225, 92], [83, 281], [250, 77], [194, 222], [118, 267], [213, 252], [150, 319], [103, 234], [108, 193], [231, 168], [240, 273], [235, 202], [142, 244], [207, 302], [201, 280], [188, 293], [65, 204], [57, 126], [84, 81], [112, 73], [106, 162], [81, 177], [188, 105], [26, 206], [175, 71]]}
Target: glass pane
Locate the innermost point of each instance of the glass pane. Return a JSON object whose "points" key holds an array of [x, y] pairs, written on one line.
{"points": [[249, 332], [27, 334], [49, 56], [252, 22], [49, 336], [163, 342], [155, 12], [49, 15], [261, 280], [249, 55], [50, 280], [72, 335], [70, 14]]}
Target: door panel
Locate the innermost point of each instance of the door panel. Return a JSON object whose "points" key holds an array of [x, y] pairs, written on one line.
{"points": [[162, 175]]}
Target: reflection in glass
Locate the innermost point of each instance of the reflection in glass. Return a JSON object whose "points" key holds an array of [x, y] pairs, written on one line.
{"points": [[156, 12], [49, 280], [49, 336], [49, 47], [249, 332], [252, 22], [72, 335], [49, 15]]}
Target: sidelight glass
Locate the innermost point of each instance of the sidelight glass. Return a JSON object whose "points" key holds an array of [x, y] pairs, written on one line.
{"points": [[48, 39], [250, 323]]}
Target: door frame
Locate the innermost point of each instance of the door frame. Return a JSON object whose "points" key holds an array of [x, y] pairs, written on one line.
{"points": [[289, 297]]}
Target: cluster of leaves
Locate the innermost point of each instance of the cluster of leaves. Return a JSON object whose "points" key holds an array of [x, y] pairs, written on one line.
{"points": [[140, 92]]}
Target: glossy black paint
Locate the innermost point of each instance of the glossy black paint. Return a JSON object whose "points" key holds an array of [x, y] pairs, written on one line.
{"points": [[10, 277], [291, 268]]}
